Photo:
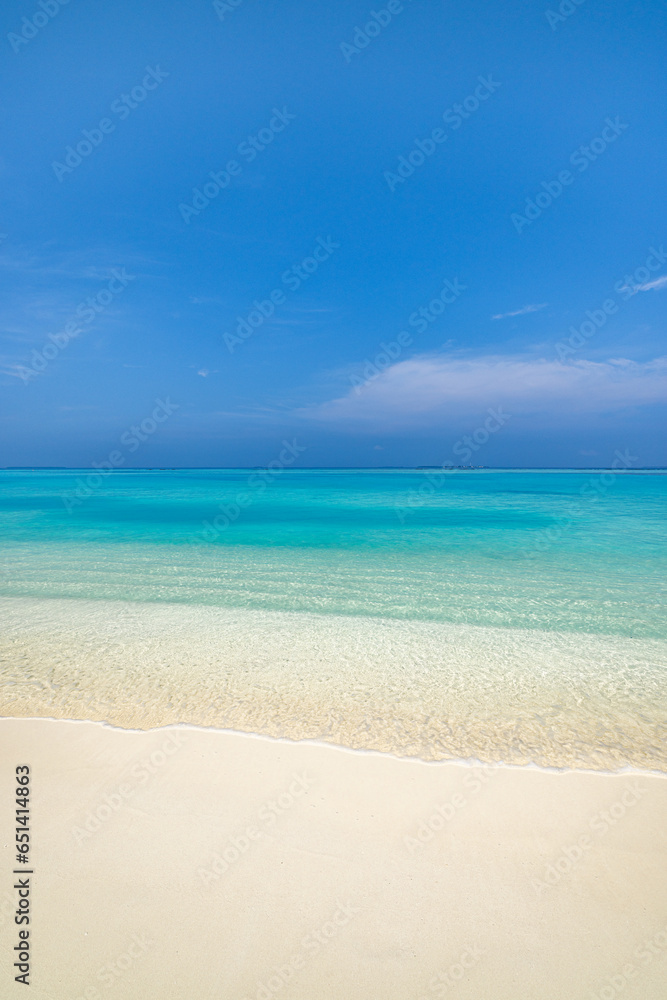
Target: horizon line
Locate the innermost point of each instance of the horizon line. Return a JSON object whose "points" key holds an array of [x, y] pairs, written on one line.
{"points": [[336, 468]]}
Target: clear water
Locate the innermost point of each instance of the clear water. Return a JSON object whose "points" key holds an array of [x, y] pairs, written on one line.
{"points": [[506, 557], [509, 549]]}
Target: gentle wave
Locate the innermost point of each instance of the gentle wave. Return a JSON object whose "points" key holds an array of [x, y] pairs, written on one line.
{"points": [[419, 689]]}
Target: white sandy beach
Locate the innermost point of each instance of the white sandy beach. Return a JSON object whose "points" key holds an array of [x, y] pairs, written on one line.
{"points": [[182, 862]]}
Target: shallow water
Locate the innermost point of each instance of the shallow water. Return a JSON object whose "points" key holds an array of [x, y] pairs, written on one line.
{"points": [[503, 615]]}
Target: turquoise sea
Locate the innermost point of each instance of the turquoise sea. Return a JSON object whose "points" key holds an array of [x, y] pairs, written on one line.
{"points": [[470, 561]]}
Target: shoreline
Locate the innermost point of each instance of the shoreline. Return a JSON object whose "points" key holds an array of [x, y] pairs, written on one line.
{"points": [[415, 689], [471, 762]]}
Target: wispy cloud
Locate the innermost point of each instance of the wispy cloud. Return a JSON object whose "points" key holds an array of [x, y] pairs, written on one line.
{"points": [[648, 286], [653, 285], [427, 389], [522, 311], [92, 264]]}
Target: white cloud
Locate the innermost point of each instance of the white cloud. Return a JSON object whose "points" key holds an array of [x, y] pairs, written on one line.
{"points": [[522, 311], [648, 286], [655, 285], [428, 388]]}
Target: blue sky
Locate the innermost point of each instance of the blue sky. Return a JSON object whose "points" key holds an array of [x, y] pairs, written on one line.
{"points": [[313, 211]]}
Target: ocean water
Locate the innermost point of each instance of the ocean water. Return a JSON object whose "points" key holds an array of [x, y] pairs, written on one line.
{"points": [[515, 615]]}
